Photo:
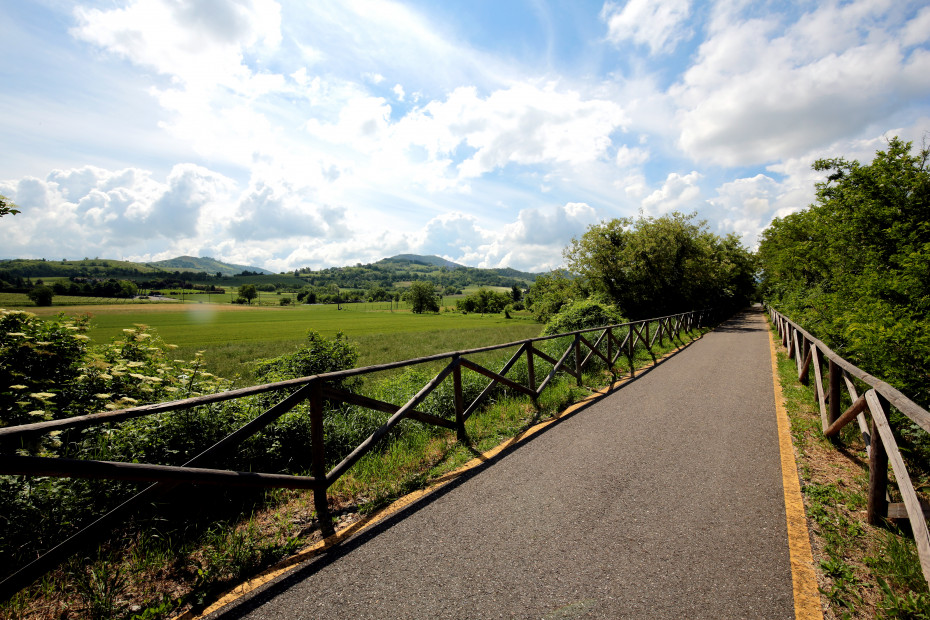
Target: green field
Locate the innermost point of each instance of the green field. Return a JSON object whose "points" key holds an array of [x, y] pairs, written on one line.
{"points": [[231, 336]]}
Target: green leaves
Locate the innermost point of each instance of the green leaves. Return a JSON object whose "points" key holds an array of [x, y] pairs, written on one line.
{"points": [[658, 266], [854, 268]]}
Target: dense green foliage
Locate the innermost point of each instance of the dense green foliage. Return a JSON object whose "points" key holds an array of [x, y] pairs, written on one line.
{"points": [[422, 297], [854, 268], [583, 314], [485, 301], [659, 266], [550, 292]]}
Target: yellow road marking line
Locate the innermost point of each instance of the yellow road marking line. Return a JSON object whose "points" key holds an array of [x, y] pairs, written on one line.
{"points": [[804, 580]]}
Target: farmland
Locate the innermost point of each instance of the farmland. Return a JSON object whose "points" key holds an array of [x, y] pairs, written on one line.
{"points": [[231, 335]]}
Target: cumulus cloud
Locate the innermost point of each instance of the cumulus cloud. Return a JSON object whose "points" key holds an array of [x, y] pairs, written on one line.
{"points": [[678, 193], [658, 24], [200, 42], [760, 92]]}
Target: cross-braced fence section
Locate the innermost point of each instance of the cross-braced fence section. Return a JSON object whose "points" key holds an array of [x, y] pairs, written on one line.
{"points": [[811, 354], [612, 349]]}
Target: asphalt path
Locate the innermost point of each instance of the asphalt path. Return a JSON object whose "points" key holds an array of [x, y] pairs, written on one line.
{"points": [[663, 499]]}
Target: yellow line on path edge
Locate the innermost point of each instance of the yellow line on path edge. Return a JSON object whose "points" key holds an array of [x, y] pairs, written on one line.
{"points": [[315, 549], [804, 580]]}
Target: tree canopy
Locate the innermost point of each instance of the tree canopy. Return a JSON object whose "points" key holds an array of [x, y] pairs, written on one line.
{"points": [[422, 297], [854, 268], [654, 266]]}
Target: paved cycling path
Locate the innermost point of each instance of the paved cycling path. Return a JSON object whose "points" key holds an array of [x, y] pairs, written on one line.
{"points": [[662, 500]]}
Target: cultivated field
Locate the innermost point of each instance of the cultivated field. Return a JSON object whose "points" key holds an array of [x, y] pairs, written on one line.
{"points": [[231, 336]]}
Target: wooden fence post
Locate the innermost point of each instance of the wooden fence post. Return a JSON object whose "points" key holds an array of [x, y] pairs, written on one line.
{"points": [[577, 345], [318, 446], [877, 507], [531, 370], [459, 400], [834, 378]]}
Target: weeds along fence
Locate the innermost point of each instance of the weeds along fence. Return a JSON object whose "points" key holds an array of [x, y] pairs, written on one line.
{"points": [[599, 348], [877, 400]]}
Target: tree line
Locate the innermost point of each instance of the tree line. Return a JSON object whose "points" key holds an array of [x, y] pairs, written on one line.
{"points": [[854, 267]]}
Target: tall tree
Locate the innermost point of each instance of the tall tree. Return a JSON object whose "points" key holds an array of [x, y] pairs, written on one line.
{"points": [[422, 297], [656, 266]]}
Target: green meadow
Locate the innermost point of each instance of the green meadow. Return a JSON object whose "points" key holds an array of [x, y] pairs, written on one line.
{"points": [[232, 336]]}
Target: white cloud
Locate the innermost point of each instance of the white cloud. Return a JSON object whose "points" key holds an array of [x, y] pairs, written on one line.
{"points": [[659, 24], [201, 43], [760, 92], [678, 193], [630, 157]]}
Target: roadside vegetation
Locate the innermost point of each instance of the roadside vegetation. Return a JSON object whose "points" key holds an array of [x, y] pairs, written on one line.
{"points": [[863, 571], [852, 270]]}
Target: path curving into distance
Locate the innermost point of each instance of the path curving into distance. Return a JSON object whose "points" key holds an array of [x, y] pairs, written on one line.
{"points": [[663, 499]]}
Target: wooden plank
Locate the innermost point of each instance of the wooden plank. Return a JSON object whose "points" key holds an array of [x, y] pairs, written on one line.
{"points": [[897, 511], [820, 395], [833, 385], [593, 351], [792, 342], [384, 407], [860, 419], [145, 472], [854, 411], [905, 487], [475, 404], [555, 368], [798, 355], [336, 472], [497, 378], [806, 365]]}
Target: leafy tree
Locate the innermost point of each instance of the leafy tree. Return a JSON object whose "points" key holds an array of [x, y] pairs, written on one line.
{"points": [[516, 293], [852, 268], [550, 292], [422, 297], [7, 207], [484, 301], [41, 295], [658, 266], [248, 292]]}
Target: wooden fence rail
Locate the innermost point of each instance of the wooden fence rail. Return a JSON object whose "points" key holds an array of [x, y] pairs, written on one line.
{"points": [[606, 344], [810, 353]]}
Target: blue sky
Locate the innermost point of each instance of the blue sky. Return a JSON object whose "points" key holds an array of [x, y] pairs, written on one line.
{"points": [[311, 134]]}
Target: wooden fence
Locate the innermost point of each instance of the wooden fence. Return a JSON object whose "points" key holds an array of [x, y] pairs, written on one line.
{"points": [[810, 353], [607, 344]]}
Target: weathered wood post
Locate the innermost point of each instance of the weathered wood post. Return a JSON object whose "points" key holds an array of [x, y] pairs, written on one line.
{"points": [[531, 371], [877, 506], [460, 433], [317, 444], [834, 379], [577, 345]]}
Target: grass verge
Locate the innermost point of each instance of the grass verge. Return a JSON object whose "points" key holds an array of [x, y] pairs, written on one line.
{"points": [[863, 571]]}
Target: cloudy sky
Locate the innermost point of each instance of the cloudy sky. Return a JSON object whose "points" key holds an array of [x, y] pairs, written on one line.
{"points": [[285, 134]]}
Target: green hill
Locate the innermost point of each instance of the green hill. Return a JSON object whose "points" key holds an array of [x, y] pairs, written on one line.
{"points": [[205, 265]]}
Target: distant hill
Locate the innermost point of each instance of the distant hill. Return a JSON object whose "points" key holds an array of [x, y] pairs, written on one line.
{"points": [[108, 268], [388, 273], [417, 259], [205, 265]]}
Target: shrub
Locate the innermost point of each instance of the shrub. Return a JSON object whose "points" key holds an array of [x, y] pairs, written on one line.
{"points": [[583, 315], [41, 295]]}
